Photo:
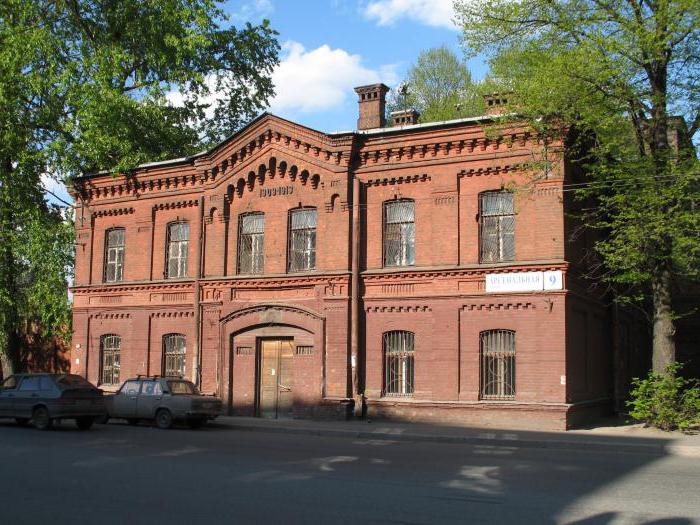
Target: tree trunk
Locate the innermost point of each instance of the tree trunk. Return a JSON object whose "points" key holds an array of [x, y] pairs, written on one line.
{"points": [[664, 346], [6, 365]]}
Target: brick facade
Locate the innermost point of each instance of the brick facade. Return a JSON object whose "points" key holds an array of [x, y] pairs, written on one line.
{"points": [[563, 344]]}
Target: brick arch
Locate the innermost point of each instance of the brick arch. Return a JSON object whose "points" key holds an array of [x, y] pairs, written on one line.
{"points": [[274, 314]]}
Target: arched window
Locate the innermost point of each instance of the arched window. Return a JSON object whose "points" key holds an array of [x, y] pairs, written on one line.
{"points": [[251, 243], [114, 255], [399, 233], [399, 354], [497, 226], [178, 240], [302, 240], [498, 364], [174, 352], [110, 350]]}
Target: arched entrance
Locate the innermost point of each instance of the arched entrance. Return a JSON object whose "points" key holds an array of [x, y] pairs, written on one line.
{"points": [[275, 365]]}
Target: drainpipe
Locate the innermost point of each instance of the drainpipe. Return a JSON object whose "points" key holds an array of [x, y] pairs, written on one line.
{"points": [[197, 375], [357, 394]]}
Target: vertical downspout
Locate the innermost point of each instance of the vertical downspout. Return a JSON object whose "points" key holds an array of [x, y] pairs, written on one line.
{"points": [[197, 375], [355, 301]]}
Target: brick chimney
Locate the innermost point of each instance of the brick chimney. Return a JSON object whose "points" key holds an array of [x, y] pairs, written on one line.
{"points": [[372, 101], [404, 117], [496, 103]]}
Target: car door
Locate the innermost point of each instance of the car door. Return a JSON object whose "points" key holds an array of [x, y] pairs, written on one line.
{"points": [[149, 400], [26, 397], [8, 391], [125, 401]]}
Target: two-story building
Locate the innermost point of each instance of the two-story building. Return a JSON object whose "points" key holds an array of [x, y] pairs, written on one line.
{"points": [[421, 271]]}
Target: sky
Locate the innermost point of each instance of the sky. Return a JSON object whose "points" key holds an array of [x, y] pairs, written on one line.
{"points": [[331, 46]]}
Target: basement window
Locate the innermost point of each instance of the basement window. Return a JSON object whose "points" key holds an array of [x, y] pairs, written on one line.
{"points": [[498, 364], [399, 352]]}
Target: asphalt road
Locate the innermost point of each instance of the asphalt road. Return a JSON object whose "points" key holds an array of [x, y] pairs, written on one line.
{"points": [[132, 475]]}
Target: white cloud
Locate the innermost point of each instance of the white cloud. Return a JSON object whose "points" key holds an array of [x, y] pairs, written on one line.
{"points": [[436, 13], [320, 79], [253, 10]]}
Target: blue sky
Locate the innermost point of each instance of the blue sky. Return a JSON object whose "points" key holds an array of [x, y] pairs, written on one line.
{"points": [[331, 46]]}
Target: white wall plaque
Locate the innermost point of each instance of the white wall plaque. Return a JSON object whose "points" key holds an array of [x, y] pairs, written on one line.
{"points": [[523, 281]]}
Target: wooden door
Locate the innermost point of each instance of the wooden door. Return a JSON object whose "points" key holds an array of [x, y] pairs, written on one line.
{"points": [[276, 378]]}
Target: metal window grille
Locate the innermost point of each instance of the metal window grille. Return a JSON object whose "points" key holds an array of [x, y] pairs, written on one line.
{"points": [[399, 233], [178, 243], [174, 352], [251, 238], [304, 350], [114, 255], [498, 364], [110, 350], [302, 240], [244, 350], [398, 363], [497, 225]]}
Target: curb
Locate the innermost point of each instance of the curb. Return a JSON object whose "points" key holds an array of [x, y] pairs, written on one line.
{"points": [[655, 449]]}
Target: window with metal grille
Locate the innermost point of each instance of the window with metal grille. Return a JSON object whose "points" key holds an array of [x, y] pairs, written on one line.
{"points": [[302, 240], [114, 255], [251, 238], [110, 350], [399, 233], [174, 352], [305, 350], [498, 364], [398, 363], [244, 350], [178, 243], [497, 225]]}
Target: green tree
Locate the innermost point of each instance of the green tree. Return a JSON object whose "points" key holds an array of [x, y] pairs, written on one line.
{"points": [[439, 86], [90, 85], [616, 72]]}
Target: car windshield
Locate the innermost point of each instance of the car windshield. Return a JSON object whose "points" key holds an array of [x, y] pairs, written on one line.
{"points": [[181, 388], [73, 381]]}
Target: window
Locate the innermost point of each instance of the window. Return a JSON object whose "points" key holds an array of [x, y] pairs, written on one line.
{"points": [[151, 388], [182, 388], [29, 384], [497, 225], [114, 255], [110, 349], [178, 243], [174, 351], [398, 363], [10, 383], [131, 388], [498, 364], [46, 383], [302, 240], [305, 350], [399, 233], [251, 239]]}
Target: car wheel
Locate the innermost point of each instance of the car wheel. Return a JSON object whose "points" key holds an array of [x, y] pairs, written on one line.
{"points": [[133, 422], [84, 423], [22, 421], [102, 420], [164, 419], [42, 419], [196, 423]]}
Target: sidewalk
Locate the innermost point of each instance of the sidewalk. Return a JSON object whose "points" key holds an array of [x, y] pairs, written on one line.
{"points": [[625, 438]]}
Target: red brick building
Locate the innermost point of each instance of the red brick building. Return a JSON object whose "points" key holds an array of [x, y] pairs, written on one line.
{"points": [[417, 269]]}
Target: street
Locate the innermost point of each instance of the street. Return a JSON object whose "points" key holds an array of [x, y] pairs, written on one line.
{"points": [[123, 475]]}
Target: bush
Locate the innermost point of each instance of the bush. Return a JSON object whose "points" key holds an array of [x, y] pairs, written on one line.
{"points": [[666, 401]]}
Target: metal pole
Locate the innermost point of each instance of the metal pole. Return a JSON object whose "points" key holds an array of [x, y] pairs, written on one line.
{"points": [[355, 301]]}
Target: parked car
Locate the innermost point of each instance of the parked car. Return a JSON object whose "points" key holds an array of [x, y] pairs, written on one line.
{"points": [[163, 400], [45, 398]]}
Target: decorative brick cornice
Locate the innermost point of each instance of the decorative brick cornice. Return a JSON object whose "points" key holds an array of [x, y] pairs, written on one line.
{"points": [[476, 273], [489, 307], [491, 170], [174, 205], [398, 309], [111, 315], [112, 212], [384, 181], [172, 314], [150, 287]]}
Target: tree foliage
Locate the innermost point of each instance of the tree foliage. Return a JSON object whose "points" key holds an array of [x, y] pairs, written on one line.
{"points": [[90, 85], [614, 74], [439, 86]]}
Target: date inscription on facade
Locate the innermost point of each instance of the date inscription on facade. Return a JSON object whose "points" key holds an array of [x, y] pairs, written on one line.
{"points": [[273, 192]]}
